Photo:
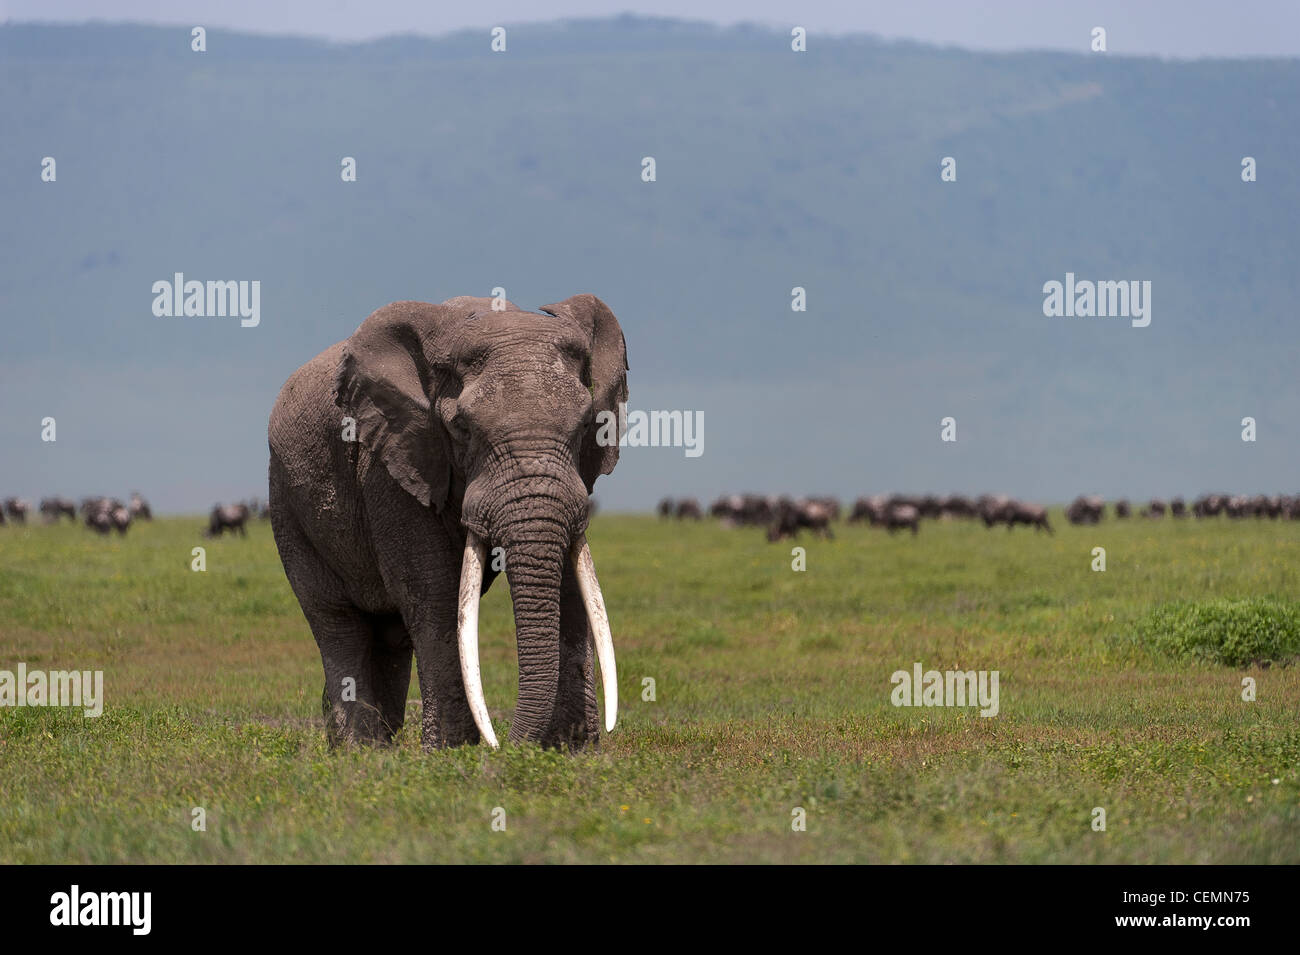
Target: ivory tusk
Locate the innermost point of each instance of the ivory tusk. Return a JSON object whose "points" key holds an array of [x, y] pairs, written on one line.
{"points": [[594, 601], [471, 587]]}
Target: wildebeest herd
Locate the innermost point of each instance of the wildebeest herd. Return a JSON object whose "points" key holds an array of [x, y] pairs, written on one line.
{"points": [[101, 514], [105, 515], [784, 517]]}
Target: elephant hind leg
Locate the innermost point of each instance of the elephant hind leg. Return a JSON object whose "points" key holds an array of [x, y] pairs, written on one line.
{"points": [[347, 649], [390, 669]]}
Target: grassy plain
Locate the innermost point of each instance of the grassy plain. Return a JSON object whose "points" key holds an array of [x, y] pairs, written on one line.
{"points": [[772, 691]]}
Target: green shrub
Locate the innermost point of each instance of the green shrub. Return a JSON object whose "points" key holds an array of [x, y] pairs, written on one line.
{"points": [[1231, 632]]}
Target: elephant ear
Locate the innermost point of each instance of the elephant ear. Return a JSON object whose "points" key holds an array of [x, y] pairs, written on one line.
{"points": [[608, 381], [383, 381]]}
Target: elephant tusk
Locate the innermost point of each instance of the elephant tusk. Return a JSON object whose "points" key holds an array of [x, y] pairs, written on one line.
{"points": [[471, 586], [594, 601]]}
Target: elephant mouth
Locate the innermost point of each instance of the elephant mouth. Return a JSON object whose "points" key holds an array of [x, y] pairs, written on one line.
{"points": [[471, 587]]}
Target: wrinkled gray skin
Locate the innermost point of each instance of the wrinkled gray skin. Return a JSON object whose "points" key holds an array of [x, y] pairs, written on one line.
{"points": [[466, 418]]}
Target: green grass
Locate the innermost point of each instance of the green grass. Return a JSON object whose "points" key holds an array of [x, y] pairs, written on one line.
{"points": [[772, 691], [1232, 632]]}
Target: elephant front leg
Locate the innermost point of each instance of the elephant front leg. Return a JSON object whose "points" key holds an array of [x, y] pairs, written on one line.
{"points": [[446, 719], [576, 723]]}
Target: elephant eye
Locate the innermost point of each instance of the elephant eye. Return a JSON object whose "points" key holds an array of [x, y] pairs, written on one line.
{"points": [[473, 360], [578, 355]]}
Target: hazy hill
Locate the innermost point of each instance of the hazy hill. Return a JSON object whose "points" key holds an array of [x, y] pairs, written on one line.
{"points": [[775, 169]]}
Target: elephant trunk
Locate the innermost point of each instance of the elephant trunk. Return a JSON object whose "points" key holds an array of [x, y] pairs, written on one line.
{"points": [[537, 546], [535, 568]]}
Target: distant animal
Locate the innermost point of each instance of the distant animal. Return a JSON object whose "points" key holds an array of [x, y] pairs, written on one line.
{"points": [[792, 516], [1155, 509], [229, 518], [689, 509], [994, 509], [100, 520], [120, 516], [744, 509], [870, 509], [898, 516], [139, 507], [1178, 507], [55, 507], [1123, 510], [16, 509], [1031, 515], [956, 506], [103, 515], [1086, 510], [665, 508]]}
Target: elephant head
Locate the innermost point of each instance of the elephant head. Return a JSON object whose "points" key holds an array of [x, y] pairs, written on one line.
{"points": [[493, 417]]}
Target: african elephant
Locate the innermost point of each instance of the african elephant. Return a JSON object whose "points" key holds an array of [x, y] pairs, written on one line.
{"points": [[399, 458]]}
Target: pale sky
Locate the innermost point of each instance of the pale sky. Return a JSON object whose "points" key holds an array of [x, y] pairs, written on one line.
{"points": [[1169, 28]]}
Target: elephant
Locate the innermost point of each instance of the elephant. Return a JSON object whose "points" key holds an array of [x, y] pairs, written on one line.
{"points": [[232, 517], [398, 458]]}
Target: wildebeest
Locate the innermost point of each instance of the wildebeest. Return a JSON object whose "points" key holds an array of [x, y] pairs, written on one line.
{"points": [[231, 518], [139, 507], [1031, 515], [792, 516], [688, 509], [744, 509], [956, 506], [55, 507], [16, 509], [1123, 510], [104, 515], [1086, 510], [898, 515], [1155, 509]]}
